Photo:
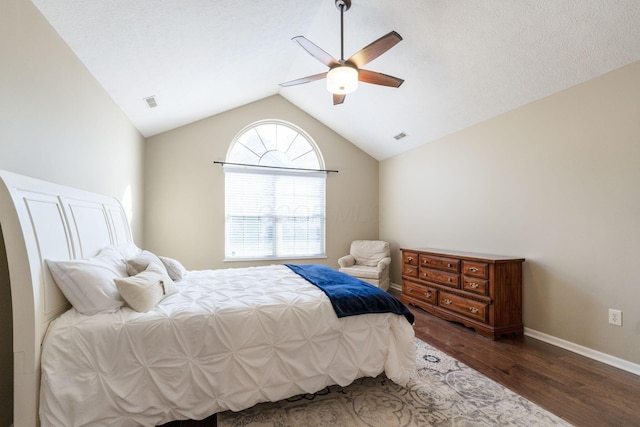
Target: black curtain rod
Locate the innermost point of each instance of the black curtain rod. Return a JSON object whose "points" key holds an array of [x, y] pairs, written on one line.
{"points": [[275, 167]]}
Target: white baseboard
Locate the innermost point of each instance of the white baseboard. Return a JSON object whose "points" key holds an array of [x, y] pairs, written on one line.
{"points": [[616, 362]]}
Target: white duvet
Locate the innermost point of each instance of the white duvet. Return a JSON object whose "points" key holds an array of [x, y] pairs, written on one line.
{"points": [[227, 340]]}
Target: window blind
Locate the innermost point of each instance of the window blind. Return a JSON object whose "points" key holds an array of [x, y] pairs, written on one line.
{"points": [[274, 214]]}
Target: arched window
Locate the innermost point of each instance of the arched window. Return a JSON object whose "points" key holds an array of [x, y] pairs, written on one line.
{"points": [[274, 194]]}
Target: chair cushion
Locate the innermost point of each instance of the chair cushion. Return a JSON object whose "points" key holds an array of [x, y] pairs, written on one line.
{"points": [[362, 272], [369, 252]]}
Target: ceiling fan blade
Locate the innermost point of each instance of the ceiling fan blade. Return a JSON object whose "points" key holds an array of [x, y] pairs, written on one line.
{"points": [[376, 78], [338, 99], [315, 51], [304, 80], [375, 49]]}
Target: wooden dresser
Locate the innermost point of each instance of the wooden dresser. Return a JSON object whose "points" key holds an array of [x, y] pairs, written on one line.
{"points": [[483, 292]]}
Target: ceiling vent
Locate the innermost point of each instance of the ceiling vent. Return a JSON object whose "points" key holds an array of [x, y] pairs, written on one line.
{"points": [[399, 136], [151, 102]]}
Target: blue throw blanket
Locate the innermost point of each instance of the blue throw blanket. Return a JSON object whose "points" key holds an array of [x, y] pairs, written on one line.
{"points": [[350, 296]]}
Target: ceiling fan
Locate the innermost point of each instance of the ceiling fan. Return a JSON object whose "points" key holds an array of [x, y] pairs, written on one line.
{"points": [[343, 75]]}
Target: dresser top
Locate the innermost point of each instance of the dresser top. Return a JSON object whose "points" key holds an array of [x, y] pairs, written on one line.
{"points": [[466, 255]]}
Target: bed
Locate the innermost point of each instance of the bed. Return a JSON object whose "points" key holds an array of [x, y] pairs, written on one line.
{"points": [[226, 339]]}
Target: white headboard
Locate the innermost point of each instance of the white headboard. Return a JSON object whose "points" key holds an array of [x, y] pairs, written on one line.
{"points": [[39, 221]]}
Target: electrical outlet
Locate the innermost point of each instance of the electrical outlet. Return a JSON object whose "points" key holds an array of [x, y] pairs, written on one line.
{"points": [[615, 317]]}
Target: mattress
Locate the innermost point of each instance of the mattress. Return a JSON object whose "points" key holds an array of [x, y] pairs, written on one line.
{"points": [[227, 340]]}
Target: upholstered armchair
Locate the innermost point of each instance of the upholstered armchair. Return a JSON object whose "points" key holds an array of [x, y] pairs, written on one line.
{"points": [[368, 260]]}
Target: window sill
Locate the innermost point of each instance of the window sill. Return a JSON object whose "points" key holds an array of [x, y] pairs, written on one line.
{"points": [[274, 258]]}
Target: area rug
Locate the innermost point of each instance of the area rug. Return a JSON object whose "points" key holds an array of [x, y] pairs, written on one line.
{"points": [[442, 392]]}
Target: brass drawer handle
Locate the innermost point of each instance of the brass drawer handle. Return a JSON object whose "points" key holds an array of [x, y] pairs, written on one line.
{"points": [[410, 290], [473, 285], [473, 310], [448, 279], [473, 270], [427, 294], [449, 265], [409, 259], [425, 261], [409, 271], [426, 275], [447, 301]]}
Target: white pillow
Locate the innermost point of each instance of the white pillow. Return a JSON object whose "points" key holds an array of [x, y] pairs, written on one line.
{"points": [[175, 269], [145, 290], [141, 262], [89, 284], [129, 250]]}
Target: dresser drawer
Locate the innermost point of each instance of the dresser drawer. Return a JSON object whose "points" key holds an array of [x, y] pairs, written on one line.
{"points": [[440, 263], [410, 258], [442, 277], [419, 292], [476, 269], [475, 285], [466, 307], [409, 270]]}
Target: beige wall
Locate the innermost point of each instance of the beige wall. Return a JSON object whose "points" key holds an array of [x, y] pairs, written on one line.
{"points": [[556, 182], [56, 124], [185, 190]]}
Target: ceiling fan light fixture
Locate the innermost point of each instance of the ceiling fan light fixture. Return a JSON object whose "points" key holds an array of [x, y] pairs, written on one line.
{"points": [[343, 75], [342, 80]]}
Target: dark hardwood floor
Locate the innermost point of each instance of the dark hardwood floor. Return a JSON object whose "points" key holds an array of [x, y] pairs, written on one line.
{"points": [[578, 389]]}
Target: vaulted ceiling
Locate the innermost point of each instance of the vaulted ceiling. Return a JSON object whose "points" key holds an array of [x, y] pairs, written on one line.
{"points": [[463, 61]]}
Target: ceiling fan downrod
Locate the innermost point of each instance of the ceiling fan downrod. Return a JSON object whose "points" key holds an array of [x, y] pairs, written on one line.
{"points": [[343, 6]]}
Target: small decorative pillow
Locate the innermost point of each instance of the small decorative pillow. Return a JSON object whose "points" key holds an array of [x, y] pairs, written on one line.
{"points": [[175, 269], [141, 262], [88, 283], [145, 290]]}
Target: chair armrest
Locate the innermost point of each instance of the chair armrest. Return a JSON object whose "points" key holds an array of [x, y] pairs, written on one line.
{"points": [[383, 263], [346, 261]]}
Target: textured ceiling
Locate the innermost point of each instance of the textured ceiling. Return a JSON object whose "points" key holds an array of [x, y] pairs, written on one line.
{"points": [[463, 61]]}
